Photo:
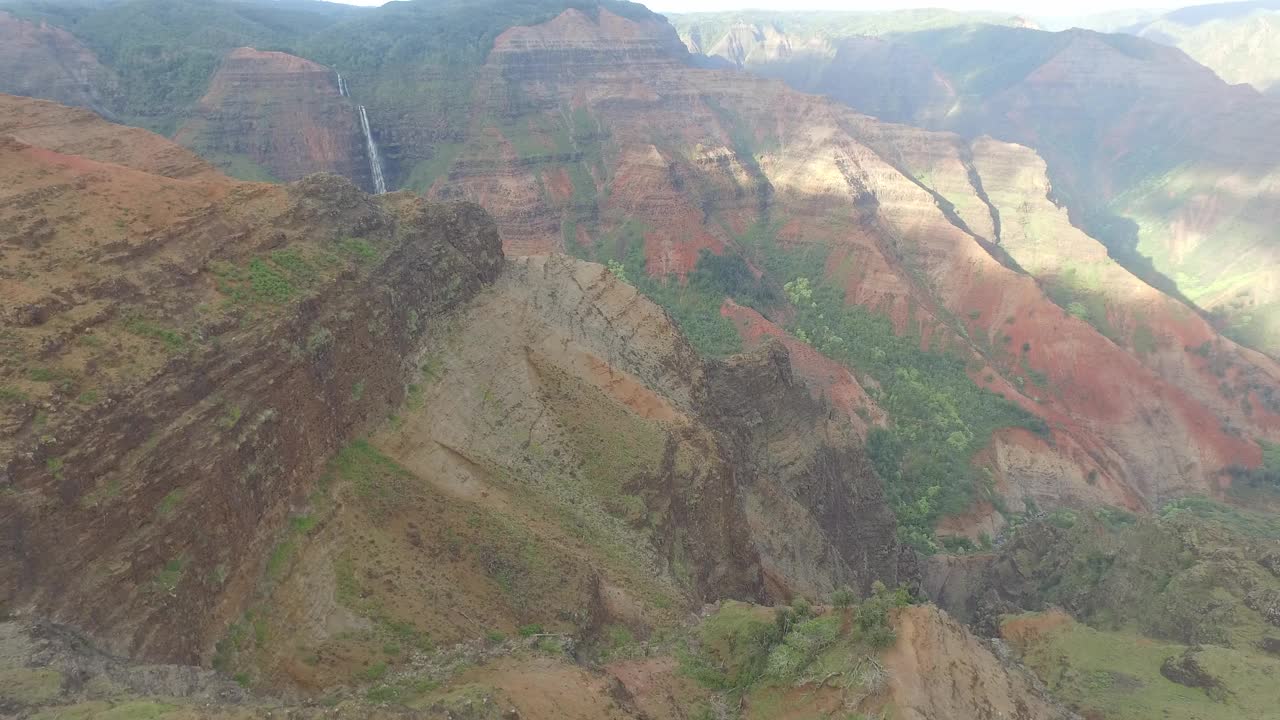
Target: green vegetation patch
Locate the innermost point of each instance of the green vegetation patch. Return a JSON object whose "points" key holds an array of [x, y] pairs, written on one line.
{"points": [[30, 686], [940, 419], [167, 579], [694, 303], [241, 167], [62, 379], [377, 479], [275, 279], [11, 396], [750, 652], [1234, 520], [173, 340], [170, 502]]}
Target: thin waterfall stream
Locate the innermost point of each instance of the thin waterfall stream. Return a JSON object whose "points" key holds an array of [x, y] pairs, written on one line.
{"points": [[371, 147], [375, 162]]}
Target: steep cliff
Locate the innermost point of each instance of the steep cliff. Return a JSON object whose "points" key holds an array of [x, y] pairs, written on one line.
{"points": [[276, 116], [188, 360], [181, 364]]}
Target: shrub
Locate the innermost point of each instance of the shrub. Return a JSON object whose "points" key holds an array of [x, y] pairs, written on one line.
{"points": [[9, 395], [735, 645], [374, 672], [361, 250], [872, 616], [801, 646], [269, 284], [171, 339]]}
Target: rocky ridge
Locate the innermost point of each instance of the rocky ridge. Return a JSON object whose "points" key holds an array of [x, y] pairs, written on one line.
{"points": [[171, 361]]}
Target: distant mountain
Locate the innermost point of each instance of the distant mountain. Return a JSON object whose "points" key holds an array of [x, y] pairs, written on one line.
{"points": [[800, 42], [1239, 40], [1152, 152], [1112, 21]]}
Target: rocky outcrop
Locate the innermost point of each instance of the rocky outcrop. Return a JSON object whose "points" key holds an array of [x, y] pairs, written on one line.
{"points": [[750, 490], [576, 41], [1186, 669], [42, 60], [283, 114], [813, 499]]}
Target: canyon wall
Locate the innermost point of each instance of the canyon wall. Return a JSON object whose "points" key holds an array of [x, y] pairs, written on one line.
{"points": [[278, 116]]}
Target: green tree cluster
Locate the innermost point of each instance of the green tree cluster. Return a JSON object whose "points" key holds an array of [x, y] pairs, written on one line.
{"points": [[939, 418]]}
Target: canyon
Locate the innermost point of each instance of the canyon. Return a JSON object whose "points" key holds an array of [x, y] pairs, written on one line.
{"points": [[177, 401], [653, 387], [683, 160]]}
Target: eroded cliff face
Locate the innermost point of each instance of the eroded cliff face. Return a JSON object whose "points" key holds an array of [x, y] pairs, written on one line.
{"points": [[282, 115], [669, 160], [46, 61], [176, 377]]}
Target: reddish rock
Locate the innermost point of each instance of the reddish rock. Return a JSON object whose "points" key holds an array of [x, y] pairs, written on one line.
{"points": [[680, 159], [280, 112]]}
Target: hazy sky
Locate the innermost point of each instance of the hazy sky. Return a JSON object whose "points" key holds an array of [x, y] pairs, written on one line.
{"points": [[1030, 7]]}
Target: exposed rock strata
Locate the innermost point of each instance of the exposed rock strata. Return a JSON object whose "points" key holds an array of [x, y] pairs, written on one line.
{"points": [[281, 112]]}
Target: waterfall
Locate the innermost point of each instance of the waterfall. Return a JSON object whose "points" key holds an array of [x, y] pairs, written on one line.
{"points": [[371, 148], [375, 163]]}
